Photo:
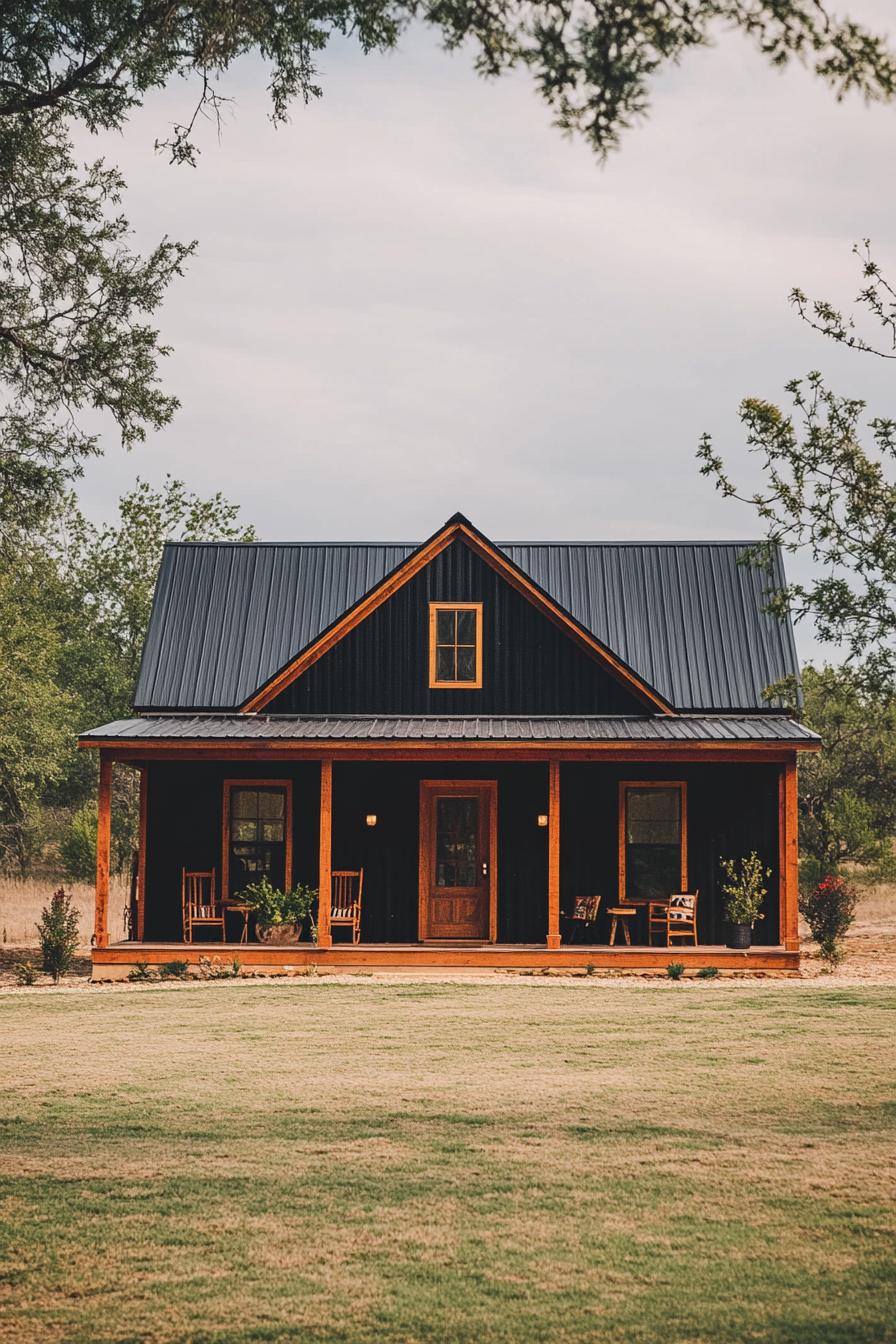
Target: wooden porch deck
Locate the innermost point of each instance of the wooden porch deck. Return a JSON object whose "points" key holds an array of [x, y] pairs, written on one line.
{"points": [[115, 961]]}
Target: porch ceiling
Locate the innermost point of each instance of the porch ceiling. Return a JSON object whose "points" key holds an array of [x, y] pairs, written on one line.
{"points": [[767, 729]]}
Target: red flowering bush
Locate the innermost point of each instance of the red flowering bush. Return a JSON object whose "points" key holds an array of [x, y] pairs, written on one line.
{"points": [[829, 909]]}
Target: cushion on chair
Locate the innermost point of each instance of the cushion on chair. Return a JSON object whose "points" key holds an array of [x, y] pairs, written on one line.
{"points": [[681, 907], [342, 912]]}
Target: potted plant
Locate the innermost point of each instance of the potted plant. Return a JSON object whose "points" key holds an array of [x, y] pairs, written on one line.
{"points": [[744, 894], [280, 916]]}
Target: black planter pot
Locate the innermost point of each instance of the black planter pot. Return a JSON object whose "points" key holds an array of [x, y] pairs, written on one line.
{"points": [[739, 935]]}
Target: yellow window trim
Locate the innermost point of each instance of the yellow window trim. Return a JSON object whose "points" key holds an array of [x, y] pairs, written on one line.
{"points": [[434, 683]]}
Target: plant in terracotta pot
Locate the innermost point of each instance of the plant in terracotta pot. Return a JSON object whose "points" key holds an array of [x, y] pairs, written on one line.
{"points": [[744, 893], [281, 915]]}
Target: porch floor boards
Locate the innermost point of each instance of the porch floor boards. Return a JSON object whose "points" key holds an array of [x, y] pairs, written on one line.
{"points": [[115, 960]]}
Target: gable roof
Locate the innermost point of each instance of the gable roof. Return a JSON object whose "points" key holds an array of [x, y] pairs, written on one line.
{"points": [[686, 617]]}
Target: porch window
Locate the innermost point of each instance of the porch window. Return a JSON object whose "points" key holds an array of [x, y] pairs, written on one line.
{"points": [[653, 856], [257, 833], [455, 645]]}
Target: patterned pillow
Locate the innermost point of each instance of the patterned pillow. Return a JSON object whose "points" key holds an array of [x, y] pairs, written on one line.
{"points": [[586, 907], [681, 907]]}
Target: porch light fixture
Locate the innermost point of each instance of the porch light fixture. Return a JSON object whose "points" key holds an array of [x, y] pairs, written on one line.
{"points": [[370, 818], [542, 818]]}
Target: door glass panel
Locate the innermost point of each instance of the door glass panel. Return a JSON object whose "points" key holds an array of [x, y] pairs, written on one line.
{"points": [[457, 842]]}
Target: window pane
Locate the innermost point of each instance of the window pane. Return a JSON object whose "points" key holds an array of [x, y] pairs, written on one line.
{"points": [[653, 816], [652, 872], [444, 627], [244, 829], [271, 802], [457, 842], [466, 664], [466, 627], [272, 830], [445, 664], [244, 803]]}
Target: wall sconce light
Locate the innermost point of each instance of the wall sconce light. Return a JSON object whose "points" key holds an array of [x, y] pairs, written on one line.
{"points": [[370, 818], [542, 818]]}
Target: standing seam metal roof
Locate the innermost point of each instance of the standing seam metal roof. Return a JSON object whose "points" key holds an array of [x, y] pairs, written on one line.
{"points": [[687, 617]]}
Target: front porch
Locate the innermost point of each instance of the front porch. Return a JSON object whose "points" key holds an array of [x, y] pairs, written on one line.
{"points": [[496, 844]]}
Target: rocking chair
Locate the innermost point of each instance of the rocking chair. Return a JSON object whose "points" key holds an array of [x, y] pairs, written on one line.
{"points": [[199, 905], [345, 907]]}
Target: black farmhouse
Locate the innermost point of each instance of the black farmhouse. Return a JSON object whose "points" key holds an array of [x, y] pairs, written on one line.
{"points": [[528, 754]]}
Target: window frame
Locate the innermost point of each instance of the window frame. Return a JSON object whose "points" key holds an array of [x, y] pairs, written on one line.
{"points": [[624, 786], [434, 683], [285, 785]]}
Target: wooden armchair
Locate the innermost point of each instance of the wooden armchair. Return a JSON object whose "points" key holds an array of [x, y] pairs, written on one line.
{"points": [[674, 918], [345, 905], [200, 908]]}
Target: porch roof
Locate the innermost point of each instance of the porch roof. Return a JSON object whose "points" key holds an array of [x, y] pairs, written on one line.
{"points": [[466, 728]]}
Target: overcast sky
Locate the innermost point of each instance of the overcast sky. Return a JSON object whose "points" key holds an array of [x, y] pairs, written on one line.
{"points": [[419, 297]]}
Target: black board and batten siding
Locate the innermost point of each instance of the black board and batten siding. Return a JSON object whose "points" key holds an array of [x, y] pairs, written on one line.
{"points": [[732, 809], [530, 666]]}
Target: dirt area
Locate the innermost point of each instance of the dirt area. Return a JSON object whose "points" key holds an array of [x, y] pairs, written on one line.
{"points": [[870, 946]]}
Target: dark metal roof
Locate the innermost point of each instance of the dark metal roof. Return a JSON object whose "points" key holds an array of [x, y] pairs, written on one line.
{"points": [[286, 728], [686, 617]]}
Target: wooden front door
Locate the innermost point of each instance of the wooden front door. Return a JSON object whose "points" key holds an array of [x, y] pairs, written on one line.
{"points": [[457, 859]]}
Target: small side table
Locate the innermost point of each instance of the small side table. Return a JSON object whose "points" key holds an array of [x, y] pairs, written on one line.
{"points": [[621, 914], [239, 909]]}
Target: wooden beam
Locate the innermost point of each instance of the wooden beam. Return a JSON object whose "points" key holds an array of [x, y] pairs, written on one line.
{"points": [[788, 862], [277, 749], [103, 853], [325, 880], [554, 854], [141, 857]]}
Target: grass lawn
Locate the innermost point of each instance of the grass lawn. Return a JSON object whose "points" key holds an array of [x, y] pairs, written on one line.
{"points": [[512, 1162]]}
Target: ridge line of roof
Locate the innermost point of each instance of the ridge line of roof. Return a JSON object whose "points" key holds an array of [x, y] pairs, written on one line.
{"points": [[413, 545]]}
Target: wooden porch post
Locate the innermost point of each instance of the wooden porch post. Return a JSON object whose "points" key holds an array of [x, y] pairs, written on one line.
{"points": [[788, 861], [325, 883], [141, 859], [554, 854], [103, 850]]}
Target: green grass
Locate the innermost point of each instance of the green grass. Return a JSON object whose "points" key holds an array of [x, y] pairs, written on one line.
{"points": [[522, 1161]]}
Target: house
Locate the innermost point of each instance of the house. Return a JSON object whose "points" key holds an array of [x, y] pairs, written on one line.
{"points": [[489, 731]]}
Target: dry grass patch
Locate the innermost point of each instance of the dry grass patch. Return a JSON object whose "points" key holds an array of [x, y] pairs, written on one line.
{"points": [[467, 1164], [22, 899]]}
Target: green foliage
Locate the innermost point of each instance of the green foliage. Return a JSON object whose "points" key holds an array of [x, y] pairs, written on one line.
{"points": [[847, 792], [675, 970], [273, 907], [829, 909], [57, 932], [744, 890], [213, 968], [24, 973], [708, 973], [174, 970], [830, 492], [77, 848], [141, 971]]}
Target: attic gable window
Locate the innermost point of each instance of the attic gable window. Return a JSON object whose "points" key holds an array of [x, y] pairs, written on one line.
{"points": [[455, 645]]}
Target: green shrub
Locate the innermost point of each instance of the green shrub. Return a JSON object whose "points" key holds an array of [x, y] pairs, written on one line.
{"points": [[707, 972], [829, 909], [675, 970], [744, 890], [589, 969], [212, 968], [174, 970], [77, 848], [273, 907], [141, 971], [24, 973], [57, 931]]}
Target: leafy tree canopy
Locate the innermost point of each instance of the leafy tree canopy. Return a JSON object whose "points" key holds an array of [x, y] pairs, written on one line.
{"points": [[829, 489], [77, 302]]}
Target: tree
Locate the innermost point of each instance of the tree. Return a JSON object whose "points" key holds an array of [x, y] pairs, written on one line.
{"points": [[830, 490], [75, 301], [847, 792]]}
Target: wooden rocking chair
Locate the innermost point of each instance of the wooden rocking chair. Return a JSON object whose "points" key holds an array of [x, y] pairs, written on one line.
{"points": [[675, 918], [345, 907], [199, 905]]}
